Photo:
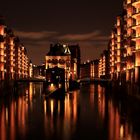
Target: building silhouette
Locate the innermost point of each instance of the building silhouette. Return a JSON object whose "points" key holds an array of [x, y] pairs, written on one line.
{"points": [[59, 56], [66, 57], [75, 61]]}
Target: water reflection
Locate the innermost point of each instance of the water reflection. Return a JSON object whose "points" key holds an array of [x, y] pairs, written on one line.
{"points": [[61, 115], [114, 116], [86, 113], [12, 115], [101, 101]]}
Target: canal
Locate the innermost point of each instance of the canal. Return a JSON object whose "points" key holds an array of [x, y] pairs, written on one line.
{"points": [[89, 113]]}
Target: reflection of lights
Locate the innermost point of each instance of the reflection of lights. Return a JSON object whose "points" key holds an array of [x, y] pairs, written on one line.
{"points": [[26, 91], [12, 121], [75, 106], [34, 90], [121, 131], [6, 115], [15, 106], [92, 95], [52, 107], [78, 80], [45, 106], [52, 87], [68, 97], [67, 107], [2, 125], [58, 107], [64, 46], [99, 96], [132, 66], [129, 137], [120, 83], [60, 85], [31, 91]]}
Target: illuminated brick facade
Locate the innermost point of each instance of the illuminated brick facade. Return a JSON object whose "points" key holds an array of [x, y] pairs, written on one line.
{"points": [[85, 70], [94, 69], [133, 14], [104, 70], [117, 49], [90, 69], [66, 57], [59, 56], [124, 44], [2, 49], [14, 62]]}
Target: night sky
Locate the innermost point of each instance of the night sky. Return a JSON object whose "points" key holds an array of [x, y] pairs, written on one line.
{"points": [[39, 23]]}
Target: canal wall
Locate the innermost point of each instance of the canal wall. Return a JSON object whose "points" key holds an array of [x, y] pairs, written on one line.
{"points": [[125, 89], [118, 88], [6, 87], [10, 87]]}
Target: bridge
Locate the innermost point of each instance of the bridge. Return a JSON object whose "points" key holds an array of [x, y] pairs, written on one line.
{"points": [[34, 79], [95, 80]]}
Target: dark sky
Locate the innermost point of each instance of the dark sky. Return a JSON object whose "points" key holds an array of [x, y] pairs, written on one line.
{"points": [[38, 23]]}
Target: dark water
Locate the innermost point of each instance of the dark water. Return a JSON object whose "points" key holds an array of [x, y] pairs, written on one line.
{"points": [[88, 113]]}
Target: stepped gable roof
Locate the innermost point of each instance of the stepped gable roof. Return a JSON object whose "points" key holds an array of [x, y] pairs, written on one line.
{"points": [[58, 50]]}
